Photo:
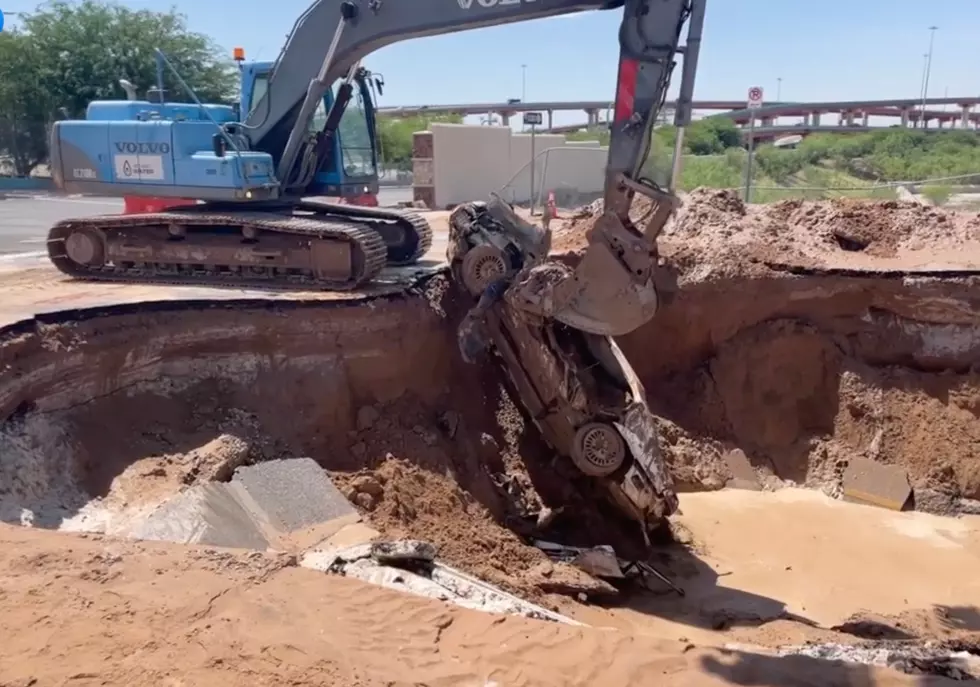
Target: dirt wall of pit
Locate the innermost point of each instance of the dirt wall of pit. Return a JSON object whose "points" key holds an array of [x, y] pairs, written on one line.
{"points": [[803, 372], [374, 391]]}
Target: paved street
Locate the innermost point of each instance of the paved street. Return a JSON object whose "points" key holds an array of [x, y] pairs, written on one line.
{"points": [[25, 220]]}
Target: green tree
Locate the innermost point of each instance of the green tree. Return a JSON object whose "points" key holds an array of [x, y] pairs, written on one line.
{"points": [[67, 54], [24, 109]]}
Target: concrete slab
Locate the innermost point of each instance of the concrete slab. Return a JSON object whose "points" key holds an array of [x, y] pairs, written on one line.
{"points": [[257, 509], [293, 493], [209, 514], [877, 484]]}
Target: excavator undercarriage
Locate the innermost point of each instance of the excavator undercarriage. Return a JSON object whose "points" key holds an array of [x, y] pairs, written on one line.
{"points": [[311, 243]]}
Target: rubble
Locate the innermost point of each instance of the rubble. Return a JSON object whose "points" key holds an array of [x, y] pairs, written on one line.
{"points": [[410, 566]]}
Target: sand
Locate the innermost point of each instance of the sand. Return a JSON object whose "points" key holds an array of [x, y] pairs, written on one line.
{"points": [[93, 611]]}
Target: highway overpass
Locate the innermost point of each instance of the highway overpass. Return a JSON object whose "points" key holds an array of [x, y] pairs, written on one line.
{"points": [[852, 115]]}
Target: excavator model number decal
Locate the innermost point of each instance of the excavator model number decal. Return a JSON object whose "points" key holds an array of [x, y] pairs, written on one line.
{"points": [[466, 4]]}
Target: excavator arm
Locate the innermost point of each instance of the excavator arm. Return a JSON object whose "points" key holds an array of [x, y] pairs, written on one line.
{"points": [[613, 289]]}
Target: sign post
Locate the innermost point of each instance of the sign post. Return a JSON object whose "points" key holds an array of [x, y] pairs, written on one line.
{"points": [[532, 119], [754, 103]]}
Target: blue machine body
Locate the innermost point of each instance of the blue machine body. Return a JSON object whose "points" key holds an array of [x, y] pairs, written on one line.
{"points": [[143, 148]]}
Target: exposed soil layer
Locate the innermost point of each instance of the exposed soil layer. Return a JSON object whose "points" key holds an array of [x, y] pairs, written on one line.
{"points": [[768, 345]]}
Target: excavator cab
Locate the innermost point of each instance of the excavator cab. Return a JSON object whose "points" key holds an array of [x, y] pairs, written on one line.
{"points": [[350, 169]]}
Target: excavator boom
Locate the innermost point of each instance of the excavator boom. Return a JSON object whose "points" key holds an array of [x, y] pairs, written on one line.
{"points": [[649, 37]]}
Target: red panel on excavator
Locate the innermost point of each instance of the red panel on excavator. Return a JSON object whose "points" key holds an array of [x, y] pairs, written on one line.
{"points": [[626, 89]]}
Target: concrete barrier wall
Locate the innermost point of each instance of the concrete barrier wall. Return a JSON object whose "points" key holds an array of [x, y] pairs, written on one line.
{"points": [[455, 163]]}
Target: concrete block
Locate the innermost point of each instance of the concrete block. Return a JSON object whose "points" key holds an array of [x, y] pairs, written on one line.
{"points": [[743, 474], [259, 509], [293, 493], [877, 484], [209, 514]]}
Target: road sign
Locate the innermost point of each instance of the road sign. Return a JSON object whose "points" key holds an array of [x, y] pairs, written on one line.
{"points": [[1, 20], [755, 98], [533, 119]]}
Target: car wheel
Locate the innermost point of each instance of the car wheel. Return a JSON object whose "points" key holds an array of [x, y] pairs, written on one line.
{"points": [[598, 450], [481, 266]]}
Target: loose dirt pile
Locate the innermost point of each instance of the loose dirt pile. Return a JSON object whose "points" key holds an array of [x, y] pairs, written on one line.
{"points": [[715, 231]]}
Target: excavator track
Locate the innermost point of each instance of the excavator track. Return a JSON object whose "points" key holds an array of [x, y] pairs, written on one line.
{"points": [[203, 247], [408, 235]]}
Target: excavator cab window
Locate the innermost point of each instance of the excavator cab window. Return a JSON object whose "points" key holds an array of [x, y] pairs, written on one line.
{"points": [[356, 144], [357, 155]]}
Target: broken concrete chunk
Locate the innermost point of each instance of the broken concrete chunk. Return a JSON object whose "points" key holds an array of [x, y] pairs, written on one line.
{"points": [[743, 474], [217, 460], [934, 501], [877, 484], [968, 506], [293, 493], [436, 582], [208, 514], [570, 581], [403, 550]]}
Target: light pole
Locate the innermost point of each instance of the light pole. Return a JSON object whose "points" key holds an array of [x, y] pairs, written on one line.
{"points": [[925, 81], [779, 89], [523, 83], [922, 85]]}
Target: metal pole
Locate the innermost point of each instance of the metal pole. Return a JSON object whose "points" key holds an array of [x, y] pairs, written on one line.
{"points": [[532, 168], [779, 89], [523, 83], [677, 162], [925, 84], [748, 163]]}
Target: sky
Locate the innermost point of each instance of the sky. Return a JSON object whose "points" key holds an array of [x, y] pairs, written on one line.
{"points": [[820, 49]]}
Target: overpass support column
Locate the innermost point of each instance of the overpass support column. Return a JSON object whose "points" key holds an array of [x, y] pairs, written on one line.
{"points": [[551, 118], [865, 120], [848, 119], [905, 117], [815, 118], [767, 121], [592, 117], [965, 118], [505, 118]]}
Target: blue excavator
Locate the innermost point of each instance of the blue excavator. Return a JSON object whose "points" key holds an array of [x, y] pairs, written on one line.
{"points": [[253, 174], [356, 184]]}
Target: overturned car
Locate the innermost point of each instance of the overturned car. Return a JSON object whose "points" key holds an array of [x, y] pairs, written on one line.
{"points": [[577, 387]]}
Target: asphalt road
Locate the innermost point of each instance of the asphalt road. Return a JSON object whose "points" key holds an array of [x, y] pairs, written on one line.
{"points": [[25, 220]]}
